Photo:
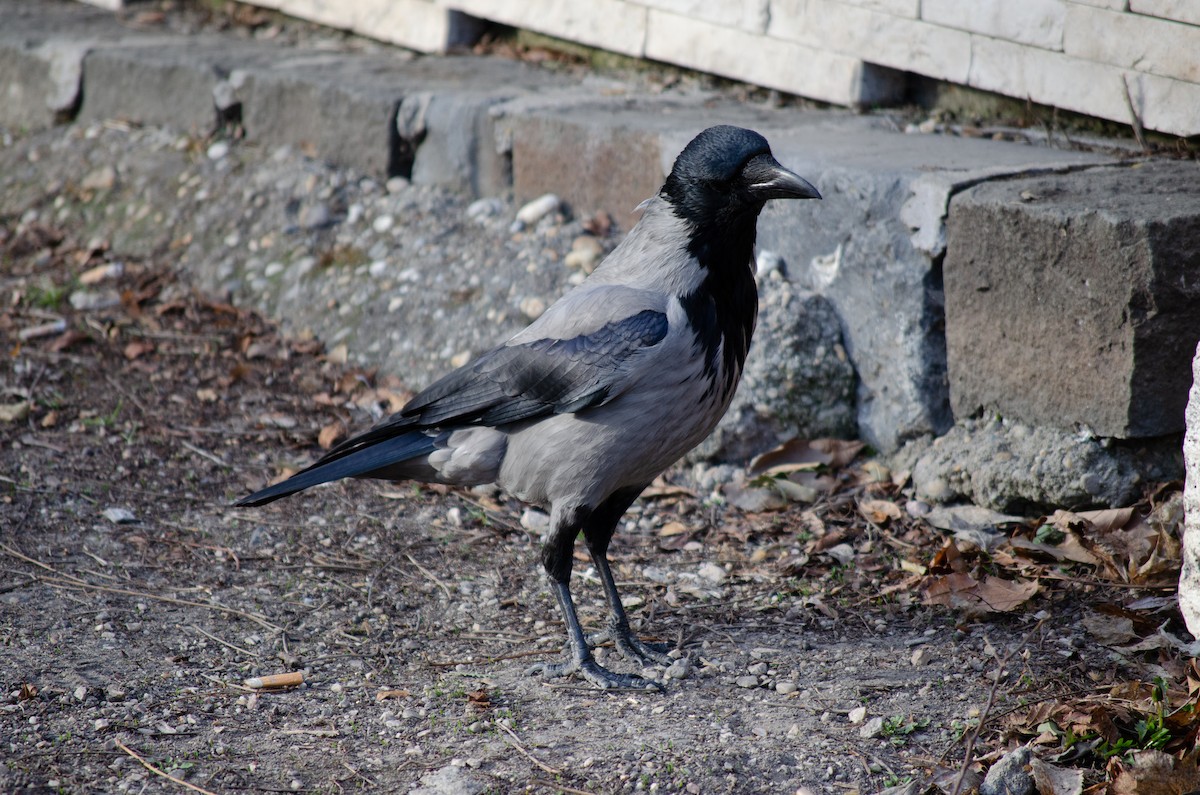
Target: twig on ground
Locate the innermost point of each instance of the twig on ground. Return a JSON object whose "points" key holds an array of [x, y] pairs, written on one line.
{"points": [[203, 453], [63, 580], [558, 787], [1001, 664], [429, 575], [515, 742], [156, 771], [226, 644]]}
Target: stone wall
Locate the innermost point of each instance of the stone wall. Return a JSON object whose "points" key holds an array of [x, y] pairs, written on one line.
{"points": [[1106, 58]]}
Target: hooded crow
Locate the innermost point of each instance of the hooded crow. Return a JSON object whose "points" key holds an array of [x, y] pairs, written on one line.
{"points": [[611, 385]]}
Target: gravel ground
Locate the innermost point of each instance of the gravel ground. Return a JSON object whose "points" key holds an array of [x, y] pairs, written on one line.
{"points": [[134, 603]]}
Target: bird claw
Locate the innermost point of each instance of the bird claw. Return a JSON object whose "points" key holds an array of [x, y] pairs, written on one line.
{"points": [[593, 672], [634, 648]]}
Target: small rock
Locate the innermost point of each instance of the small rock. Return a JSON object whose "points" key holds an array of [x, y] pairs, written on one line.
{"points": [[785, 688], [758, 669], [383, 223], [532, 307], [921, 656], [397, 184], [315, 216], [119, 515], [450, 780], [857, 715], [747, 681], [89, 301], [679, 669], [102, 178], [482, 209], [537, 209], [584, 254], [872, 728], [1008, 776], [218, 150], [713, 573], [535, 521], [15, 412]]}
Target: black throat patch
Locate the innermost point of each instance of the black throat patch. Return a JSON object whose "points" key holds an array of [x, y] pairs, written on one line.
{"points": [[724, 308]]}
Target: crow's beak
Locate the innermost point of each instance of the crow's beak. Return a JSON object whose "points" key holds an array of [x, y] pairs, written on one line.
{"points": [[769, 180]]}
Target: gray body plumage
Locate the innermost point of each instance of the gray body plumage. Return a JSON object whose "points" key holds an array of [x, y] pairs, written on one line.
{"points": [[660, 403], [618, 379]]}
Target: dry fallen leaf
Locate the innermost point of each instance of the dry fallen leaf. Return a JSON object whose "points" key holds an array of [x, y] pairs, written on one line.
{"points": [[1053, 780], [1153, 773], [879, 511], [330, 434], [991, 595]]}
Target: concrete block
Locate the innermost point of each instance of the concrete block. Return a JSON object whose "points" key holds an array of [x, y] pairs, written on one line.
{"points": [[422, 25], [909, 9], [751, 16], [1163, 104], [1133, 41], [1189, 578], [293, 100], [772, 62], [1051, 78], [1179, 10], [157, 80], [1035, 22], [1073, 300], [41, 59], [880, 38], [615, 25]]}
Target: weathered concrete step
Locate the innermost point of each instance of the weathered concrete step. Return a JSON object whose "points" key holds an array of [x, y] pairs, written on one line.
{"points": [[1074, 301]]}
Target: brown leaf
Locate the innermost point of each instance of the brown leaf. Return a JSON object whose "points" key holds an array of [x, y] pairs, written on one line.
{"points": [[68, 339], [331, 434], [137, 348], [992, 595], [841, 451], [1053, 780], [791, 456], [879, 511], [1153, 773]]}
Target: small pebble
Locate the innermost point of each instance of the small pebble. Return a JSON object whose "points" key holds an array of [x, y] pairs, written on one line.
{"points": [[747, 681], [218, 150]]}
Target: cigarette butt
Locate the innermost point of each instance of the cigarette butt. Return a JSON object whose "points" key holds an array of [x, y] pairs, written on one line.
{"points": [[276, 680]]}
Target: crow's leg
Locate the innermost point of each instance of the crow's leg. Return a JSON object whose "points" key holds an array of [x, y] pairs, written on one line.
{"points": [[556, 558], [598, 532]]}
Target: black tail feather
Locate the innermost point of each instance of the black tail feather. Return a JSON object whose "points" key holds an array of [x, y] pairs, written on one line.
{"points": [[362, 462]]}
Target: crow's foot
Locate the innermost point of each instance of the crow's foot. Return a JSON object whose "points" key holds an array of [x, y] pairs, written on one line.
{"points": [[634, 648], [593, 672]]}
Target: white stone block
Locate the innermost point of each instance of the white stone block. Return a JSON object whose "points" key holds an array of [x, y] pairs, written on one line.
{"points": [[1179, 10], [1167, 105], [906, 44], [1189, 579], [417, 24], [1046, 77], [750, 16], [900, 8], [774, 63], [1036, 22], [1147, 44], [1112, 5], [613, 25]]}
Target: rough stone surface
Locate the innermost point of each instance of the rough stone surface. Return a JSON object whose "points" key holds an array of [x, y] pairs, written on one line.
{"points": [[1072, 300], [1009, 776], [1189, 579], [1015, 468], [798, 381]]}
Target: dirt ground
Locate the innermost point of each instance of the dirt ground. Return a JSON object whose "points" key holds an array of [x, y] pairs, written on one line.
{"points": [[838, 643]]}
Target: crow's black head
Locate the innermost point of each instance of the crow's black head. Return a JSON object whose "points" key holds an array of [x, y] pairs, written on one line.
{"points": [[726, 174]]}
